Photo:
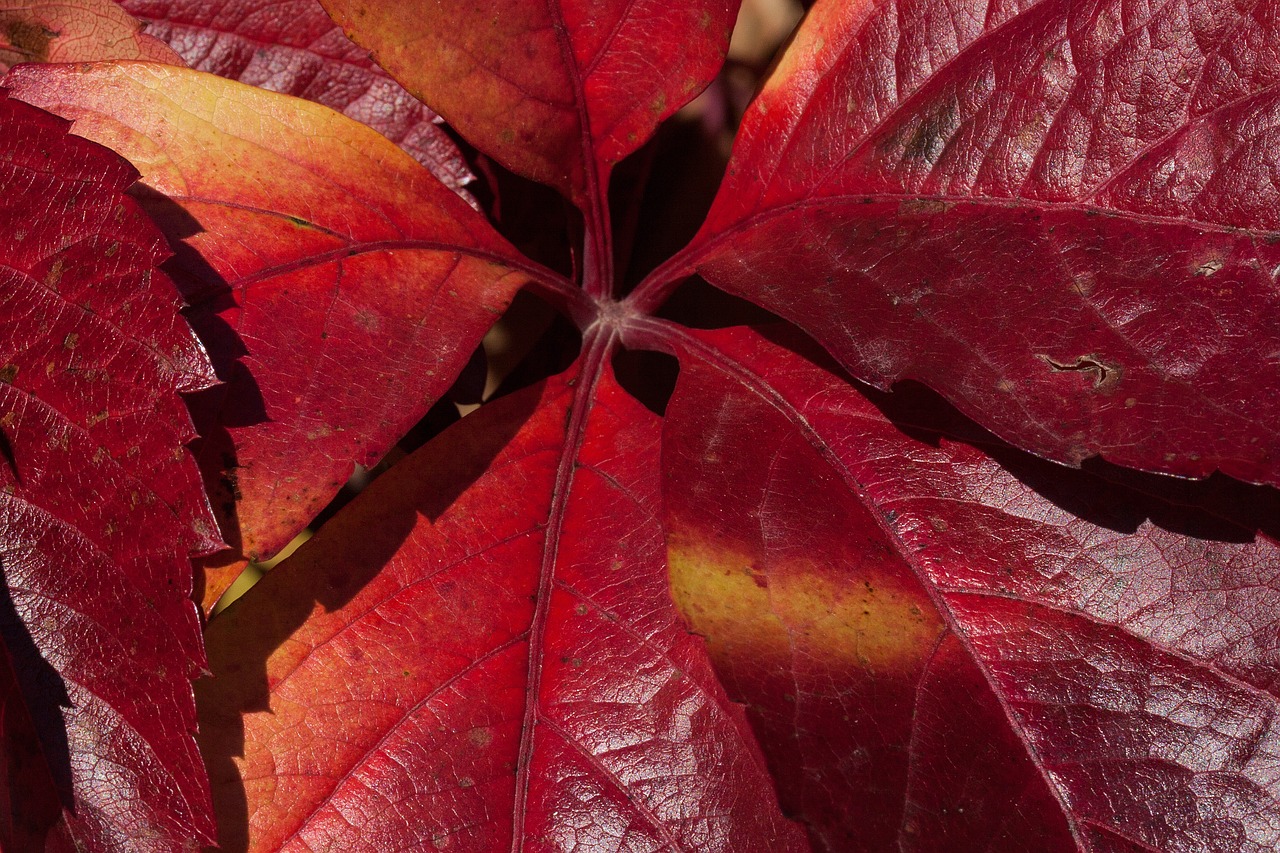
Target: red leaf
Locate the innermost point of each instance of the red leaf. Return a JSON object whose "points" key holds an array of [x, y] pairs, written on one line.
{"points": [[339, 286], [73, 31], [1064, 218], [100, 506], [938, 654], [482, 646], [294, 47], [557, 92]]}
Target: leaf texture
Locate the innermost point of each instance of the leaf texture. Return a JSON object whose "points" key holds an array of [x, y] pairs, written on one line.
{"points": [[558, 92], [338, 285], [293, 47], [480, 653], [1061, 215], [952, 646], [100, 508], [74, 31]]}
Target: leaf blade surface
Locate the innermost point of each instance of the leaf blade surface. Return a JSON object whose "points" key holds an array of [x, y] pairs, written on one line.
{"points": [[557, 92], [74, 31], [561, 723], [101, 507], [339, 286], [1090, 676], [1061, 217], [295, 48]]}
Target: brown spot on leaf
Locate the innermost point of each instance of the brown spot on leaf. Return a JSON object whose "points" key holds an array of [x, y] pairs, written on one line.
{"points": [[1106, 375], [928, 138], [1208, 268], [922, 207], [29, 39], [54, 275]]}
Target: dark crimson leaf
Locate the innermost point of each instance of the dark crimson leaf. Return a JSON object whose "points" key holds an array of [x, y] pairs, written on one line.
{"points": [[292, 46], [947, 646], [556, 92], [1064, 216], [100, 508], [73, 31], [339, 286], [482, 648]]}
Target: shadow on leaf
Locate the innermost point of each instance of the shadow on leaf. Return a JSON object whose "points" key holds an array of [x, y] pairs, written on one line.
{"points": [[245, 637], [35, 783]]}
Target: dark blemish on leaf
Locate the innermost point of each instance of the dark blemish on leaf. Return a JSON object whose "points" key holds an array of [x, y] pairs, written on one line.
{"points": [[70, 341], [54, 275], [232, 483], [8, 373], [1082, 285], [29, 38], [1106, 375], [1208, 268], [922, 207], [6, 452], [929, 138], [581, 610]]}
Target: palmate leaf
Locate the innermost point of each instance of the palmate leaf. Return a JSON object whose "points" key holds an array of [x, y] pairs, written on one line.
{"points": [[1063, 216], [480, 654], [949, 646], [1056, 213], [100, 508]]}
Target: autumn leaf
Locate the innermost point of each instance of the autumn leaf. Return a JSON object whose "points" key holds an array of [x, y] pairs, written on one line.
{"points": [[73, 31], [100, 507], [1061, 217], [1018, 210], [310, 248], [561, 703], [558, 93], [877, 594], [294, 47]]}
